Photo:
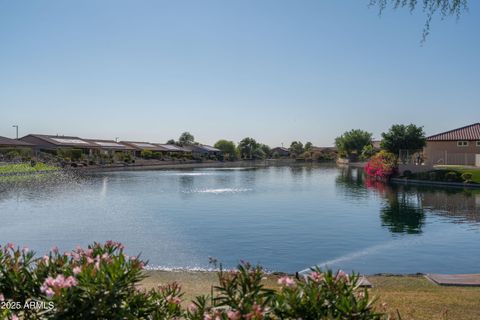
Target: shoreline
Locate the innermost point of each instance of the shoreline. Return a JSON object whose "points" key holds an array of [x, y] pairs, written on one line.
{"points": [[169, 165], [459, 185]]}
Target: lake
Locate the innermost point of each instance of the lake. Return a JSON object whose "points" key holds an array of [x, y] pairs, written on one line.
{"points": [[285, 218]]}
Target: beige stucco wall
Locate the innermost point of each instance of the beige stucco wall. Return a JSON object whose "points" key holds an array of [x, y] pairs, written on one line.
{"points": [[447, 152]]}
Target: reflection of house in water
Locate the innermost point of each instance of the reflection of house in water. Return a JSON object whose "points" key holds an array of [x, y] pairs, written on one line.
{"points": [[463, 205]]}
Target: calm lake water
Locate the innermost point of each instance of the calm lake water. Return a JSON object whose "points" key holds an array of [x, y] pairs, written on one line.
{"points": [[285, 218]]}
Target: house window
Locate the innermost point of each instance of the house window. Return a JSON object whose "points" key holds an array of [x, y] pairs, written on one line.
{"points": [[478, 143], [462, 143]]}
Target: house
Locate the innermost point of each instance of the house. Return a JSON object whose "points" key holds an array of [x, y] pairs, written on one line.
{"points": [[203, 151], [7, 144], [110, 147], [138, 147], [455, 147], [280, 152], [172, 149], [52, 144]]}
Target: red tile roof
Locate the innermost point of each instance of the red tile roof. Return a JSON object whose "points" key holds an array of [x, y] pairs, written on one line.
{"points": [[470, 132]]}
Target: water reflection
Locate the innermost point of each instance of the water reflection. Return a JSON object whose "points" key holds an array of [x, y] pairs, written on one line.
{"points": [[402, 212], [404, 207]]}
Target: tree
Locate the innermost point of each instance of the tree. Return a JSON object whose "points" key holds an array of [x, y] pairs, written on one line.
{"points": [[247, 147], [445, 8], [227, 147], [367, 152], [352, 142], [296, 148], [266, 150], [402, 137], [171, 141], [308, 146], [186, 139]]}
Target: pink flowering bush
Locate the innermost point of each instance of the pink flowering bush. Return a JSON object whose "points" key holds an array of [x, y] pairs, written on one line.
{"points": [[381, 166], [324, 295], [102, 282]]}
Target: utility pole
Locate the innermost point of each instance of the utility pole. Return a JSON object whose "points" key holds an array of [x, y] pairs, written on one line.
{"points": [[16, 127]]}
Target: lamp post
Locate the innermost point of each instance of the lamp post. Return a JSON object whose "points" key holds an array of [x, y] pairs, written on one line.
{"points": [[16, 127]]}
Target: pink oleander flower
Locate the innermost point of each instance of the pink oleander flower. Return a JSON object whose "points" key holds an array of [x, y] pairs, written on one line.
{"points": [[46, 259], [14, 317], [89, 252], [317, 276], [342, 276], [286, 281], [174, 300], [257, 312], [192, 307], [55, 249], [25, 250], [234, 315], [10, 246], [206, 316], [77, 270], [52, 285], [2, 297]]}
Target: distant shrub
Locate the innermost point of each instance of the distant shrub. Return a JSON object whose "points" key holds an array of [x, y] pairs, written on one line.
{"points": [[433, 176], [467, 176], [70, 154], [146, 154], [451, 176], [407, 173]]}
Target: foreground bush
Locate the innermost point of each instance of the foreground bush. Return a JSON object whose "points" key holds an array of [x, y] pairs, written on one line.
{"points": [[101, 282]]}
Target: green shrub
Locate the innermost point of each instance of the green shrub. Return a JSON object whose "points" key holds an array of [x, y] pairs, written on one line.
{"points": [[70, 154], [407, 173], [451, 176], [433, 176], [467, 176], [146, 154]]}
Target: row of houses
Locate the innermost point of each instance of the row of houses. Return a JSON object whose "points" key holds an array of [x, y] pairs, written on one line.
{"points": [[53, 143], [459, 146]]}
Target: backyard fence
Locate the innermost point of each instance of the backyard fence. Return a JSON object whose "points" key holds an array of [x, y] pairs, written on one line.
{"points": [[448, 158]]}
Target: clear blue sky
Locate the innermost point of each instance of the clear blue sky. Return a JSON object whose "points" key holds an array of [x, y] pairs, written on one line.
{"points": [[270, 69]]}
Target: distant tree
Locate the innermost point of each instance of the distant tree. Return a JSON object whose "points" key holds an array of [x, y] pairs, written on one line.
{"points": [[266, 149], [367, 152], [444, 8], [227, 147], [258, 153], [171, 141], [247, 147], [296, 148], [186, 139], [352, 142], [403, 137], [308, 146]]}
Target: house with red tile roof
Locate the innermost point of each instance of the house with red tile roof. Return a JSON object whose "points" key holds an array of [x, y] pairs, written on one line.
{"points": [[459, 146]]}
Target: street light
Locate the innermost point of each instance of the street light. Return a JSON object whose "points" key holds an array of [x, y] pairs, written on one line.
{"points": [[16, 126]]}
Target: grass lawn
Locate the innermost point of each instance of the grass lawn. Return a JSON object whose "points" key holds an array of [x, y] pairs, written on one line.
{"points": [[414, 297], [24, 167]]}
